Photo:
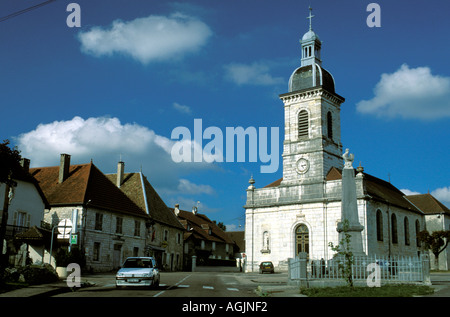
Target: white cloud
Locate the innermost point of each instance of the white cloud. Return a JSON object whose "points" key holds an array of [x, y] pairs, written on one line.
{"points": [[442, 194], [182, 108], [409, 93], [153, 38], [186, 187], [256, 73], [105, 140], [408, 192]]}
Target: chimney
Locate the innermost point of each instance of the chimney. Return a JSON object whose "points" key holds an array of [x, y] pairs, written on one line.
{"points": [[120, 172], [177, 209], [25, 163], [64, 166]]}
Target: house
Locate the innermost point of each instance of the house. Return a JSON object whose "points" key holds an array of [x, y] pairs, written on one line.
{"points": [[238, 238], [26, 208], [109, 225], [165, 240], [437, 218], [28, 202], [204, 239]]}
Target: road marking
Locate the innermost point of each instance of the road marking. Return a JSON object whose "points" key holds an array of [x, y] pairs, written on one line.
{"points": [[184, 286], [233, 289], [176, 284], [208, 287]]}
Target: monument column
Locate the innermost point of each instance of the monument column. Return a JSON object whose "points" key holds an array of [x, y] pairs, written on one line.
{"points": [[349, 208]]}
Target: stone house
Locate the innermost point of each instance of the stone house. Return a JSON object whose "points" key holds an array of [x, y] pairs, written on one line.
{"points": [[165, 232], [204, 239], [437, 218], [110, 226]]}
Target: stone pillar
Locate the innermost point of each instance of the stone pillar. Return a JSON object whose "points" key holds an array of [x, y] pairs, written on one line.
{"points": [[302, 256], [349, 208], [425, 258], [194, 263]]}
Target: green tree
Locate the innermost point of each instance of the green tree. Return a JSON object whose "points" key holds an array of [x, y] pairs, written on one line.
{"points": [[436, 242], [9, 165]]}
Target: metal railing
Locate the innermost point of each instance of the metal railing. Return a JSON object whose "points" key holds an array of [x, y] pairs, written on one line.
{"points": [[401, 269]]}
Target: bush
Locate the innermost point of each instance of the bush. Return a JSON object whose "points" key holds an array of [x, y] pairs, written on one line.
{"points": [[34, 274]]}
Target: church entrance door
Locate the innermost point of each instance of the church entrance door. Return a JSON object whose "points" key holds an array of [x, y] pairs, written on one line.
{"points": [[301, 239]]}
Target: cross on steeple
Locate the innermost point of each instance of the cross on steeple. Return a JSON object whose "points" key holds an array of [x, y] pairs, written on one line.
{"points": [[310, 18]]}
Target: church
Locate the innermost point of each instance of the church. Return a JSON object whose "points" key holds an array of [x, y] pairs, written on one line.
{"points": [[300, 212]]}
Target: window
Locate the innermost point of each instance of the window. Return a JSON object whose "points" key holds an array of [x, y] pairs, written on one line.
{"points": [[137, 228], [98, 221], [303, 124], [266, 242], [329, 125], [119, 221], [394, 228], [166, 235], [178, 238], [417, 233], [406, 230], [135, 251], [379, 225], [96, 255], [214, 245]]}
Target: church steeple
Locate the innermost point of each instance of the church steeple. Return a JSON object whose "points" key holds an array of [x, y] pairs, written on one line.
{"points": [[311, 45]]}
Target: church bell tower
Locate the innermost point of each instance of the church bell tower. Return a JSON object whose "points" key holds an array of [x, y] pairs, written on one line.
{"points": [[312, 143]]}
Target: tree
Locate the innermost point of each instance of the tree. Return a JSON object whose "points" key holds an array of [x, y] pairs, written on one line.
{"points": [[436, 242], [9, 165]]}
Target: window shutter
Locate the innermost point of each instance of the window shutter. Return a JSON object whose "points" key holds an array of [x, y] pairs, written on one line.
{"points": [[303, 124]]}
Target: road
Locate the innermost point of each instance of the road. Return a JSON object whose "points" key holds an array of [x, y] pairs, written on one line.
{"points": [[174, 284]]}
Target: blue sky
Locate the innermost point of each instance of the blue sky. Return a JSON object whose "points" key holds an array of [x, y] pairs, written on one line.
{"points": [[117, 87]]}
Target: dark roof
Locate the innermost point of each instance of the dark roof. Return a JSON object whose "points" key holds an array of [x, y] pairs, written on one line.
{"points": [[85, 183], [200, 225], [36, 236], [157, 209], [239, 239], [428, 204], [376, 188], [302, 79]]}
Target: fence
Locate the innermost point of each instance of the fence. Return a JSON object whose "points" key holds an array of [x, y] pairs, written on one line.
{"points": [[364, 270]]}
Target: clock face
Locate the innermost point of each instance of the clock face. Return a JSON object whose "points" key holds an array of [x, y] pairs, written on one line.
{"points": [[302, 165]]}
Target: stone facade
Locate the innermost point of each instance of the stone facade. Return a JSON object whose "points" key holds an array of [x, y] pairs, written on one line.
{"points": [[108, 245], [301, 212]]}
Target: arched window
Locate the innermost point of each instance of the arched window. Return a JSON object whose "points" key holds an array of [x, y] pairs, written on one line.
{"points": [[266, 242], [394, 229], [379, 225], [303, 124], [301, 239], [417, 233], [406, 230], [329, 125]]}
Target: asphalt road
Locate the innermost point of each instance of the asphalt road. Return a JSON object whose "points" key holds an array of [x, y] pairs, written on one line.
{"points": [[174, 284]]}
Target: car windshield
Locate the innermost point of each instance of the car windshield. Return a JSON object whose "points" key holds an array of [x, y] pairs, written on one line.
{"points": [[138, 263]]}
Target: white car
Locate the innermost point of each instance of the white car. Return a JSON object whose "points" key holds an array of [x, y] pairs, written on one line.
{"points": [[138, 271]]}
